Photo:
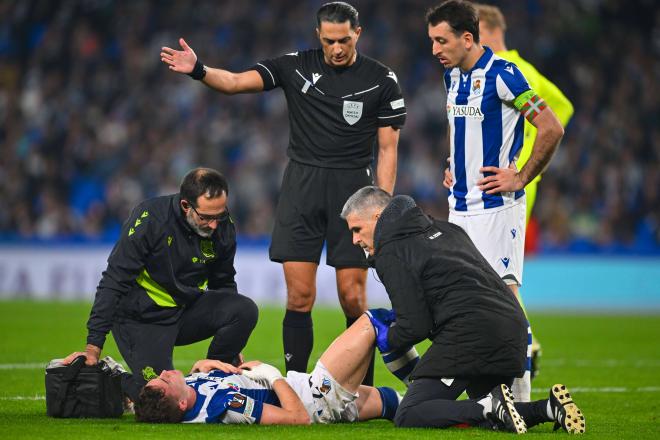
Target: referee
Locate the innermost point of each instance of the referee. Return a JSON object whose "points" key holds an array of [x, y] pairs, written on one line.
{"points": [[341, 103]]}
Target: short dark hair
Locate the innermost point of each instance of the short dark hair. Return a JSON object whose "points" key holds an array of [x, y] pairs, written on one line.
{"points": [[153, 407], [460, 15], [338, 12], [203, 181]]}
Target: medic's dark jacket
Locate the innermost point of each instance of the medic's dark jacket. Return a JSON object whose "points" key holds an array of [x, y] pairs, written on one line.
{"points": [[159, 266], [442, 289]]}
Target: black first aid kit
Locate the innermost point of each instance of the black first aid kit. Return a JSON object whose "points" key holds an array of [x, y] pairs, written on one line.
{"points": [[82, 391]]}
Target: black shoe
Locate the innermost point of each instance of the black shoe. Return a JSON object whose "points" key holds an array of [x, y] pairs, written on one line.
{"points": [[503, 414], [566, 413]]}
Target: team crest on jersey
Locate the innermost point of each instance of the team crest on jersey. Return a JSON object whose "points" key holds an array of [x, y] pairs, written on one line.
{"points": [[476, 86], [326, 386], [207, 248], [352, 111]]}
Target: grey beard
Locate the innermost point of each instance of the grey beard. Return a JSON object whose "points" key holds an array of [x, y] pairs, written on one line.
{"points": [[206, 233]]}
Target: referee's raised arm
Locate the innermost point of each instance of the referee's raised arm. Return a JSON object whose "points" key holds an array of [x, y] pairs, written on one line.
{"points": [[224, 81]]}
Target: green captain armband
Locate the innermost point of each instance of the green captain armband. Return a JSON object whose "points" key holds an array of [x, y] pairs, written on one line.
{"points": [[521, 99], [530, 104]]}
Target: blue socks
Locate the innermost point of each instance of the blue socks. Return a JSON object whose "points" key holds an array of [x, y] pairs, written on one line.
{"points": [[390, 399]]}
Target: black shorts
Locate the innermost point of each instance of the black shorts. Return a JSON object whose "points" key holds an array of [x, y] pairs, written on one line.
{"points": [[308, 209]]}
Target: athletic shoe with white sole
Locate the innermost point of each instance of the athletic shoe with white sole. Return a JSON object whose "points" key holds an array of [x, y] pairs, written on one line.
{"points": [[566, 413], [503, 414]]}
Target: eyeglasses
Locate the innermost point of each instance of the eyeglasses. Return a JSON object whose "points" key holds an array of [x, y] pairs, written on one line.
{"points": [[224, 215]]}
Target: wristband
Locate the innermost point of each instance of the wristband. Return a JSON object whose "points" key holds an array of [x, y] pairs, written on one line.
{"points": [[264, 372], [199, 71]]}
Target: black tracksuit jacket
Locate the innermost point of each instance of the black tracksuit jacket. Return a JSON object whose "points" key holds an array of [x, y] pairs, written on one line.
{"points": [[441, 288], [159, 266]]}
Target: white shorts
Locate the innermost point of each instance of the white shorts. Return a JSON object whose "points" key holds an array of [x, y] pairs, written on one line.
{"points": [[324, 399], [500, 237]]}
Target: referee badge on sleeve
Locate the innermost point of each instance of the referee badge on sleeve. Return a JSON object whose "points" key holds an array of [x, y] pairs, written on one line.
{"points": [[352, 111]]}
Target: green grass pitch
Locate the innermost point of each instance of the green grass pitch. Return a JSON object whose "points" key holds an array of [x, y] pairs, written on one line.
{"points": [[610, 362]]}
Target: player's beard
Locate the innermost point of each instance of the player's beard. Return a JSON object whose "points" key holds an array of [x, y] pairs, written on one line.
{"points": [[199, 230]]}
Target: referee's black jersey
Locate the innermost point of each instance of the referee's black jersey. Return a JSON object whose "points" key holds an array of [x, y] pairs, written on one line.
{"points": [[334, 113]]}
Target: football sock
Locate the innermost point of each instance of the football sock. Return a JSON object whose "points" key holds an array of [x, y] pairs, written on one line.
{"points": [[369, 376], [522, 386], [298, 340], [401, 362], [536, 345], [487, 403], [390, 399], [535, 413]]}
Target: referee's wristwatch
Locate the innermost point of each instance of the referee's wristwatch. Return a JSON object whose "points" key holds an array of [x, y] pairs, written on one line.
{"points": [[199, 71]]}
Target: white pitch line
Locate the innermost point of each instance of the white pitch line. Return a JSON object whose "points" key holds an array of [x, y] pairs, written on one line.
{"points": [[601, 362], [25, 366], [652, 389], [605, 390]]}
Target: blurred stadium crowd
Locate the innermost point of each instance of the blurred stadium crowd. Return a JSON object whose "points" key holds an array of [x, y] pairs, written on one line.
{"points": [[91, 122]]}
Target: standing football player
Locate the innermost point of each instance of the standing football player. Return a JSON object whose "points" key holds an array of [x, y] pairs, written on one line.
{"points": [[488, 99]]}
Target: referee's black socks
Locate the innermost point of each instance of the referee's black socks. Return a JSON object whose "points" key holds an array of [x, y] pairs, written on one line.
{"points": [[369, 377], [298, 340]]}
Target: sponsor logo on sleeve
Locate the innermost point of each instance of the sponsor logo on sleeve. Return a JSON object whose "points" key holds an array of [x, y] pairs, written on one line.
{"points": [[237, 401], [397, 104], [249, 408]]}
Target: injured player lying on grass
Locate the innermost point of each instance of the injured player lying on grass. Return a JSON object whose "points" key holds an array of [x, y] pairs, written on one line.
{"points": [[254, 392]]}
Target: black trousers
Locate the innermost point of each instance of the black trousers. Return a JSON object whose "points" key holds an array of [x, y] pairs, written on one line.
{"points": [[226, 316], [429, 402]]}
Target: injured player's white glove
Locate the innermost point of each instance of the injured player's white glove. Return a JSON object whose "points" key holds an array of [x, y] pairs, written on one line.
{"points": [[263, 372]]}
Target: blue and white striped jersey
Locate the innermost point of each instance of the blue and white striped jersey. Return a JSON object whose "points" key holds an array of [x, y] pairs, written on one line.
{"points": [[486, 129], [227, 398]]}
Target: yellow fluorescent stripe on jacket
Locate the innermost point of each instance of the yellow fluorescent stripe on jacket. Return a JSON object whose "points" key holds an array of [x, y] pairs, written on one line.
{"points": [[154, 290]]}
